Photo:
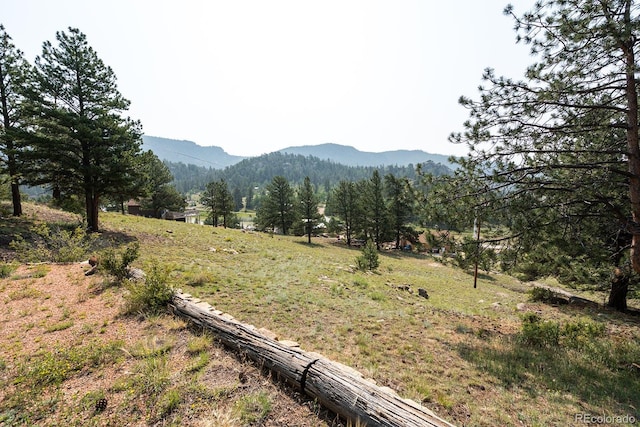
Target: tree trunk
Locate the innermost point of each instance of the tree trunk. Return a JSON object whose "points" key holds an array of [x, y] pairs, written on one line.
{"points": [[619, 289], [632, 140], [56, 194], [9, 151], [15, 195], [92, 207]]}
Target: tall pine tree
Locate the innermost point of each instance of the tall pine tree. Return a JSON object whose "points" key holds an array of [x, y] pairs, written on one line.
{"points": [[308, 207], [86, 145], [14, 78], [557, 154], [277, 209]]}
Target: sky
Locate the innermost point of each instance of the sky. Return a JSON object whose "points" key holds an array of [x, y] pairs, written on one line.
{"points": [[256, 76]]}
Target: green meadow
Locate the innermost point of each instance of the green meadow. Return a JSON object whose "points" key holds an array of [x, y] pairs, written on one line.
{"points": [[485, 356]]}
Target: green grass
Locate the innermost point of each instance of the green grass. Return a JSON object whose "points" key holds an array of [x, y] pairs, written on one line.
{"points": [[463, 352], [253, 408], [461, 348], [60, 326]]}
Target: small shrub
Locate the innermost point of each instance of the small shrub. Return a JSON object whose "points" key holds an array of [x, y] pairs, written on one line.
{"points": [[539, 294], [59, 326], [200, 362], [200, 279], [117, 262], [53, 367], [369, 258], [360, 283], [151, 347], [378, 296], [6, 269], [538, 333], [150, 296], [581, 333], [57, 245], [153, 376]]}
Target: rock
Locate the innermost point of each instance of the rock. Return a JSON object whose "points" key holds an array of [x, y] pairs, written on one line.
{"points": [[135, 273], [423, 293], [521, 306]]}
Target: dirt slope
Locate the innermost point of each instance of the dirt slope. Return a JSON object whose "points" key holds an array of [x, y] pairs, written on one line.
{"points": [[67, 351]]}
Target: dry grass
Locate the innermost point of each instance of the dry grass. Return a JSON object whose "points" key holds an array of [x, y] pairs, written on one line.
{"points": [[461, 352], [458, 352], [62, 354]]}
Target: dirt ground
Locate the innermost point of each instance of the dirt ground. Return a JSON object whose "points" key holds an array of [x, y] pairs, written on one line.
{"points": [[55, 309]]}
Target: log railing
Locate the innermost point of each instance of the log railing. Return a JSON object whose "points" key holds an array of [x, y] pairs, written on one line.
{"points": [[338, 387]]}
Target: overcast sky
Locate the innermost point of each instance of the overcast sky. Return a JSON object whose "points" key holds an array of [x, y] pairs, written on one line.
{"points": [[255, 76]]}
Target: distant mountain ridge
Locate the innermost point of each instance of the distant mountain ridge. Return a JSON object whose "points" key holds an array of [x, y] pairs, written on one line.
{"points": [[350, 156], [189, 152]]}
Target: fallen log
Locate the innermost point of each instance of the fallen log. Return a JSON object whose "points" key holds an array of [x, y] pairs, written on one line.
{"points": [[564, 297], [338, 387]]}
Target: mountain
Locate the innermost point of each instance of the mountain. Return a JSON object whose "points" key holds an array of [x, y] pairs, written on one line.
{"points": [[259, 171], [188, 152], [350, 156]]}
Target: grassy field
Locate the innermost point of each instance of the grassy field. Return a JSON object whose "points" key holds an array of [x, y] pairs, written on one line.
{"points": [[463, 352], [479, 357]]}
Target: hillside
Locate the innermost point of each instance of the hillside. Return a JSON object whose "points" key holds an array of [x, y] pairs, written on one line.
{"points": [[483, 357], [67, 345], [188, 152], [352, 157], [258, 171]]}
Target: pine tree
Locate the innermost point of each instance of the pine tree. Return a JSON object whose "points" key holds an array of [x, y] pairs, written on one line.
{"points": [[277, 209], [375, 209], [308, 207], [345, 206], [14, 77], [85, 145], [556, 154], [400, 203], [156, 181]]}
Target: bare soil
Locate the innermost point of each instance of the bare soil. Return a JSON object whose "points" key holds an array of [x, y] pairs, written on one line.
{"points": [[56, 307]]}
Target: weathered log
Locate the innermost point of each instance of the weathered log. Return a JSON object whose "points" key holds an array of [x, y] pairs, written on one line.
{"points": [[336, 386]]}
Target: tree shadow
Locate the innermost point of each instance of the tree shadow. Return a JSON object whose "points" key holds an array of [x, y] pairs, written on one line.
{"points": [[25, 226], [309, 245], [600, 377]]}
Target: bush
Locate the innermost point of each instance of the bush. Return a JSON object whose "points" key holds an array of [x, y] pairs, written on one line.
{"points": [[538, 333], [150, 296], [6, 269], [581, 333], [57, 245], [369, 258], [117, 262], [539, 294]]}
